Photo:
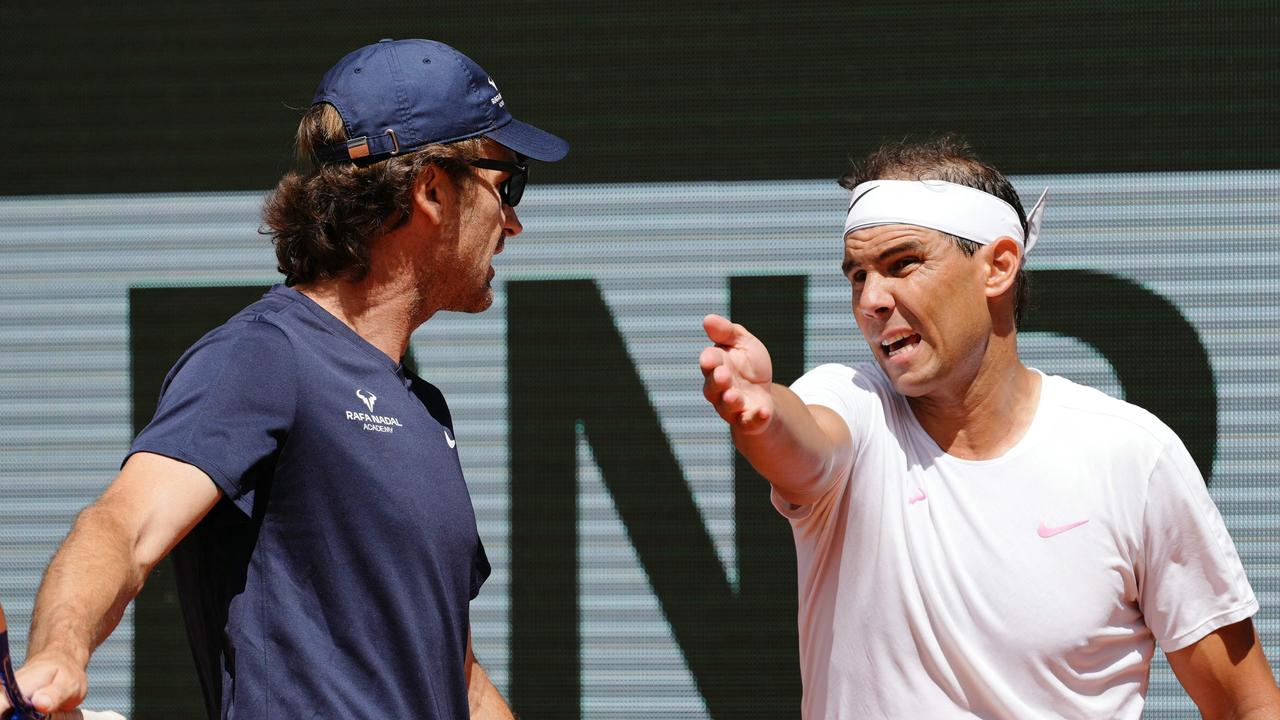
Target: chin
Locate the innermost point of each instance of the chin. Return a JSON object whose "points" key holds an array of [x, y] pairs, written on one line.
{"points": [[906, 385], [481, 303], [910, 390]]}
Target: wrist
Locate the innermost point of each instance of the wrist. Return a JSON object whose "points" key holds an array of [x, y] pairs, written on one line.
{"points": [[60, 653]]}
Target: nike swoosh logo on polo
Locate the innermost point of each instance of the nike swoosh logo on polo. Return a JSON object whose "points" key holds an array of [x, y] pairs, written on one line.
{"points": [[917, 498], [449, 439], [1047, 532]]}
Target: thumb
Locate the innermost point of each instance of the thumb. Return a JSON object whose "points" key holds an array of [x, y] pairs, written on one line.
{"points": [[50, 698], [60, 693]]}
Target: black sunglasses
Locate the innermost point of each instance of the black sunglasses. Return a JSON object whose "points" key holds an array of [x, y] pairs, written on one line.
{"points": [[511, 189]]}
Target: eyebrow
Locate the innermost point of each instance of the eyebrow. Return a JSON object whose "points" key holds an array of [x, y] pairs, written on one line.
{"points": [[907, 246]]}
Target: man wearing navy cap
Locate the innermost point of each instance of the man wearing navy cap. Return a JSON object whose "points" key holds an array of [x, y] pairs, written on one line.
{"points": [[307, 482]]}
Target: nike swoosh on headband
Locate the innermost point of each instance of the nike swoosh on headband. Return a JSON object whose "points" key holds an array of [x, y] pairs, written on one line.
{"points": [[948, 207], [864, 194]]}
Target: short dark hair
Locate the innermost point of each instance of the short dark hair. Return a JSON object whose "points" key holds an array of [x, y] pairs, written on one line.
{"points": [[950, 158], [323, 219]]}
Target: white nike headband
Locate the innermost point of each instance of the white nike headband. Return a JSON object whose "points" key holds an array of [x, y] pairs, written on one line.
{"points": [[944, 206]]}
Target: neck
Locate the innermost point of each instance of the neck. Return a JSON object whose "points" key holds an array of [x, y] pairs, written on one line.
{"points": [[991, 413], [382, 308]]}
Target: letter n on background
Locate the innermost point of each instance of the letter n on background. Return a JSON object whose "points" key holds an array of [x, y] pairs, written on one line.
{"points": [[569, 368]]}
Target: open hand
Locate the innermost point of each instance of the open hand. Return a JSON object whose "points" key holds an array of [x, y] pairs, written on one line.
{"points": [[738, 375]]}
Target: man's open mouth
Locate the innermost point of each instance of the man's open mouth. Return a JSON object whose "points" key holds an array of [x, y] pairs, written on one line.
{"points": [[898, 345]]}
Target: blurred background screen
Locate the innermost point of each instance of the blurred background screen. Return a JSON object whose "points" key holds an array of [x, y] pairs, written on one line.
{"points": [[639, 571]]}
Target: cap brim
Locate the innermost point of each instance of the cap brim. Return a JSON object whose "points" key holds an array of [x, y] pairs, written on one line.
{"points": [[530, 141]]}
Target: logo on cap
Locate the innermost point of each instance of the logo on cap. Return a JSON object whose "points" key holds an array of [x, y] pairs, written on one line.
{"points": [[496, 99]]}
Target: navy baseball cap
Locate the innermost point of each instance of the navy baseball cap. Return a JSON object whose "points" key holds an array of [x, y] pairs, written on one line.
{"points": [[396, 96]]}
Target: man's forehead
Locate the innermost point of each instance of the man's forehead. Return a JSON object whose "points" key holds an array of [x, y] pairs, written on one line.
{"points": [[888, 238]]}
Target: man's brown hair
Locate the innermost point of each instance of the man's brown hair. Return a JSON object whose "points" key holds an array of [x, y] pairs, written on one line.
{"points": [[324, 218], [948, 158]]}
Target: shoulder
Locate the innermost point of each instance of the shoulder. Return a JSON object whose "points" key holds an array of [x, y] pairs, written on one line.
{"points": [[859, 378], [271, 323], [252, 342], [861, 394], [1105, 421], [243, 338]]}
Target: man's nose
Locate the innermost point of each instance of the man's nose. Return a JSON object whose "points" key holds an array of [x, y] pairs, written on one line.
{"points": [[510, 221], [876, 298]]}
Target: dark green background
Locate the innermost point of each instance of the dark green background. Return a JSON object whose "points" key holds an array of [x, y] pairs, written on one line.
{"points": [[161, 95]]}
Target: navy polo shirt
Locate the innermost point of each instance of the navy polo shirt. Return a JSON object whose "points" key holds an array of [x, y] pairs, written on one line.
{"points": [[334, 577]]}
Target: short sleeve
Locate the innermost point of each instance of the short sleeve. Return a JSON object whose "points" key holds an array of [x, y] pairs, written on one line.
{"points": [[836, 387], [1191, 581], [226, 406], [830, 386]]}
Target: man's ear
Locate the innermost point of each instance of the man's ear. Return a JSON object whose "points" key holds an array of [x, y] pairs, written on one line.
{"points": [[1003, 259], [432, 193]]}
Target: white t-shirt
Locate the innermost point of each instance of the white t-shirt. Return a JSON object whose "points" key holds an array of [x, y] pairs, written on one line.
{"points": [[1033, 585]]}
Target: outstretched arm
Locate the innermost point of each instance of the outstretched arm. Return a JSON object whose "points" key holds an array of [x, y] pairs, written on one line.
{"points": [[100, 568], [800, 449], [1227, 675]]}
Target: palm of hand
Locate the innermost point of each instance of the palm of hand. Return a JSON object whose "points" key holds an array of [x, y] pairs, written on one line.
{"points": [[738, 374], [751, 371]]}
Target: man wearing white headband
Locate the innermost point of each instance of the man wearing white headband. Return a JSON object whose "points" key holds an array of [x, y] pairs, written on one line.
{"points": [[976, 539]]}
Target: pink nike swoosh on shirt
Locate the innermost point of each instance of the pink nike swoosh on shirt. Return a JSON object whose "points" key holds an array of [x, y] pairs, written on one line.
{"points": [[917, 498], [1047, 532]]}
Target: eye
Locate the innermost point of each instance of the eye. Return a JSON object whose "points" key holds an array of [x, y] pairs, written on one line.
{"points": [[903, 263], [857, 277]]}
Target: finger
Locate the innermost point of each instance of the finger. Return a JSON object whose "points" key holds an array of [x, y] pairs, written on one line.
{"points": [[710, 359], [723, 397], [733, 401], [755, 417], [62, 693], [45, 701], [86, 715], [711, 390], [720, 330], [723, 376], [715, 381], [35, 675], [730, 396], [718, 389], [754, 420]]}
